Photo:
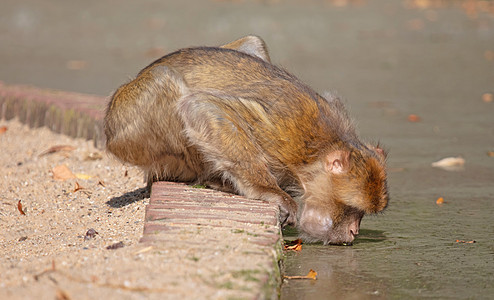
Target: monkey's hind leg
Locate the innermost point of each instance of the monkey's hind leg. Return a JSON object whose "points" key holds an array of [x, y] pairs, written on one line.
{"points": [[143, 128], [214, 123]]}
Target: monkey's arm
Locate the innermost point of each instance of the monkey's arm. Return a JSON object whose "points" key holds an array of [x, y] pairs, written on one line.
{"points": [[221, 128]]}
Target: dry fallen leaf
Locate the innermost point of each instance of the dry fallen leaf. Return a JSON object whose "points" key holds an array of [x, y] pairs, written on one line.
{"points": [[78, 187], [57, 148], [487, 97], [83, 176], [311, 275], [3, 129], [62, 172], [413, 118], [19, 207], [465, 242], [449, 163], [440, 200], [296, 245]]}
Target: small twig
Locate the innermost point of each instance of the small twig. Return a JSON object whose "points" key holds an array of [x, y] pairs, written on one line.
{"points": [[19, 207], [58, 148]]}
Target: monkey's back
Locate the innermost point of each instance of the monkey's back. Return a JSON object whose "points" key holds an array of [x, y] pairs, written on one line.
{"points": [[281, 115], [228, 70], [295, 111]]}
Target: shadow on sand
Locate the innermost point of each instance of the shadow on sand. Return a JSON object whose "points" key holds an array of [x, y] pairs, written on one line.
{"points": [[129, 198]]}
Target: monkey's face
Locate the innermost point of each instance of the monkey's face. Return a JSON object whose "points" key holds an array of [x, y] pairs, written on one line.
{"points": [[350, 185], [338, 226]]}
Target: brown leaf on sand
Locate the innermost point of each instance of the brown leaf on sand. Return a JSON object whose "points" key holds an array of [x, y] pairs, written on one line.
{"points": [[62, 172], [3, 129], [78, 187], [311, 275], [57, 148], [19, 207]]}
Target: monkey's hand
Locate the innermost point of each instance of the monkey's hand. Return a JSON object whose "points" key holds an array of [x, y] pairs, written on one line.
{"points": [[288, 211]]}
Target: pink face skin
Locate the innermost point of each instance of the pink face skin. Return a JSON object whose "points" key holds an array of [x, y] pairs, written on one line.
{"points": [[315, 225]]}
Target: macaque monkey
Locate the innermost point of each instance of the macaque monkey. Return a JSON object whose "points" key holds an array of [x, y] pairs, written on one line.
{"points": [[228, 118]]}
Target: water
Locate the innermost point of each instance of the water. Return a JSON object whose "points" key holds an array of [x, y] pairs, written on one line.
{"points": [[409, 252], [440, 73]]}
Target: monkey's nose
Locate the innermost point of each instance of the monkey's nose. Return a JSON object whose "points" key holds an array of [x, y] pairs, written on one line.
{"points": [[354, 228]]}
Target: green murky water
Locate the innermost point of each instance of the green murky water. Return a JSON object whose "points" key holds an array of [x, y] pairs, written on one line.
{"points": [[439, 72], [409, 252]]}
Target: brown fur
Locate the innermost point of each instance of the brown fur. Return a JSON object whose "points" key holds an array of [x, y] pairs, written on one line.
{"points": [[227, 117]]}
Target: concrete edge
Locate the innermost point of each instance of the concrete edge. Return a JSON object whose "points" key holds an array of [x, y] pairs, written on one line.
{"points": [[73, 114], [213, 209]]}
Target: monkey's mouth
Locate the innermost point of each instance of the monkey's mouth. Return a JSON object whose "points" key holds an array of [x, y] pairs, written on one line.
{"points": [[346, 244], [339, 243]]}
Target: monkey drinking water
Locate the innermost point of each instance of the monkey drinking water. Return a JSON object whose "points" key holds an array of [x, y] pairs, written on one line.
{"points": [[228, 118]]}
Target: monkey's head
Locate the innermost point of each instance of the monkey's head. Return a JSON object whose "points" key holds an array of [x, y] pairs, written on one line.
{"points": [[341, 188]]}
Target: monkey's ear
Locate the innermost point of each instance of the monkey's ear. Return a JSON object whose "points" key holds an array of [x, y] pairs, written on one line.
{"points": [[252, 45], [338, 162], [379, 150]]}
